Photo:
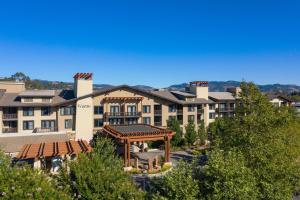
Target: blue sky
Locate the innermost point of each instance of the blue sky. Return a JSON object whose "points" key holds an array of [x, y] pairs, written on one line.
{"points": [[155, 42]]}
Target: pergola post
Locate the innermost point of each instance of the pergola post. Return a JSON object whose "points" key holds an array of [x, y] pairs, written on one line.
{"points": [[167, 149], [128, 153], [125, 153]]}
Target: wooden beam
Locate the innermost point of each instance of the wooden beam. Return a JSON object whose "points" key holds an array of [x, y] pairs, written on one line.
{"points": [[128, 153], [125, 153]]}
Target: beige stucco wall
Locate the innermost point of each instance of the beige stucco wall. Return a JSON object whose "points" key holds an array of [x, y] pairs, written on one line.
{"points": [[84, 122], [200, 92], [37, 118], [12, 87]]}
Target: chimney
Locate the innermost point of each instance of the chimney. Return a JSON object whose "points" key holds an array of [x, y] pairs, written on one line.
{"points": [[83, 84], [234, 90], [199, 88], [84, 119]]}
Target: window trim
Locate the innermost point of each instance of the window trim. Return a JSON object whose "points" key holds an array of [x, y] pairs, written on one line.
{"points": [[96, 108], [26, 121], [147, 106], [27, 111], [71, 124]]}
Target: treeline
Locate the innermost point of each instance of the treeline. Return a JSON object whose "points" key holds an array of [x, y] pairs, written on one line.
{"points": [[37, 84]]}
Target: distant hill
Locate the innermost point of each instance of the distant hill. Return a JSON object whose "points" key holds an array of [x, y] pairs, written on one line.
{"points": [[213, 85], [219, 86]]}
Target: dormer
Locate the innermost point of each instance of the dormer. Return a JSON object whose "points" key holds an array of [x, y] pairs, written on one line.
{"points": [[37, 96]]}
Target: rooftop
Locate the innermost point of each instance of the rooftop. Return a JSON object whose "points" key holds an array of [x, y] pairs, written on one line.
{"points": [[221, 95], [52, 149], [133, 130], [13, 144], [37, 93]]}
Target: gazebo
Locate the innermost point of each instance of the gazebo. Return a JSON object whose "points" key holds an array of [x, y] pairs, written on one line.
{"points": [[128, 134]]}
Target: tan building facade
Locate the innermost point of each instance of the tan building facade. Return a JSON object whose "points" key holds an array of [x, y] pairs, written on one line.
{"points": [[83, 111]]}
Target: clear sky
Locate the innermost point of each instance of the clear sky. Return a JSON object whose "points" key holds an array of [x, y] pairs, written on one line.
{"points": [[152, 42]]}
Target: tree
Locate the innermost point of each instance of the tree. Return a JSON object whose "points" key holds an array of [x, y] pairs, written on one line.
{"points": [[20, 76], [269, 140], [100, 175], [202, 134], [226, 176], [27, 183], [190, 133], [178, 184], [174, 125]]}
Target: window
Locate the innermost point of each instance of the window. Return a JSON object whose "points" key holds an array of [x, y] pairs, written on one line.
{"points": [[68, 124], [191, 118], [146, 109], [28, 111], [212, 107], [114, 109], [147, 120], [191, 108], [98, 122], [131, 109], [212, 116], [70, 110], [28, 125], [27, 100], [98, 110], [46, 100], [172, 108], [222, 106], [48, 124], [45, 111]]}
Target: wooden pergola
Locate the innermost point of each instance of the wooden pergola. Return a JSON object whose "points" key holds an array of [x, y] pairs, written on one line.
{"points": [[127, 134]]}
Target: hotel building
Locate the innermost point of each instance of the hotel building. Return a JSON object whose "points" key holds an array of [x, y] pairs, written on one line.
{"points": [[83, 111]]}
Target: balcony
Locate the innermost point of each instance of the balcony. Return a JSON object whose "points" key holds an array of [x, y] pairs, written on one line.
{"points": [[122, 114], [45, 130], [225, 109], [201, 110], [179, 112], [10, 130], [10, 116], [157, 124], [157, 112]]}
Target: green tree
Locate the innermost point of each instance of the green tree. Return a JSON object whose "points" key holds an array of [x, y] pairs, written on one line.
{"points": [[174, 125], [27, 183], [269, 139], [202, 133], [20, 76], [178, 184], [100, 175], [226, 176], [190, 133]]}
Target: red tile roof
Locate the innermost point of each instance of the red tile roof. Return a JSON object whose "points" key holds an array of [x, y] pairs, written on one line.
{"points": [[85, 76], [54, 149]]}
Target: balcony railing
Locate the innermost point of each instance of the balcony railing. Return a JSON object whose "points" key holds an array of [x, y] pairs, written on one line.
{"points": [[9, 130], [44, 130], [225, 109], [157, 112], [10, 116], [122, 114], [157, 124], [201, 110], [179, 112]]}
